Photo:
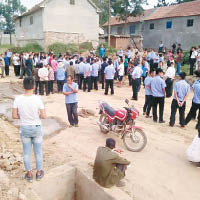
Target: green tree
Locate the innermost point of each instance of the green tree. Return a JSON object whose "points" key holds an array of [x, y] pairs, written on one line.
{"points": [[183, 1], [162, 3], [127, 8], [9, 9]]}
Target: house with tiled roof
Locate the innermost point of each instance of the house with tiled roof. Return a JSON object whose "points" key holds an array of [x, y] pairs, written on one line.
{"points": [[64, 21], [177, 23]]}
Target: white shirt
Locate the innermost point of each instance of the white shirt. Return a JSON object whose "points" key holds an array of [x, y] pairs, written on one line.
{"points": [[29, 109], [121, 70], [194, 54], [171, 72], [16, 60], [137, 72], [43, 73]]}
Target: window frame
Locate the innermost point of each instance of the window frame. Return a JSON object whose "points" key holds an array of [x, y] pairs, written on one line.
{"points": [[190, 24], [134, 27], [151, 26], [31, 20], [121, 30], [72, 2], [167, 25]]}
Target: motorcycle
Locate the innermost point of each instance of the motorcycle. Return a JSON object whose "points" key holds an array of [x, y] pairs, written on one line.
{"points": [[122, 122]]}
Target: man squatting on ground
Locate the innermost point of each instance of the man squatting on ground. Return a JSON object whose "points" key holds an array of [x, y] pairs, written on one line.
{"points": [[30, 110]]}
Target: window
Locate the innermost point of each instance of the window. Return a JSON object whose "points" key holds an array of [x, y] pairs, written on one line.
{"points": [[169, 25], [31, 20], [151, 26], [190, 22], [72, 2], [20, 22], [132, 29], [119, 30]]}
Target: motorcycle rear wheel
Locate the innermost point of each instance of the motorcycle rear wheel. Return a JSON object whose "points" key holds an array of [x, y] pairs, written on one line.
{"points": [[137, 138], [103, 120]]}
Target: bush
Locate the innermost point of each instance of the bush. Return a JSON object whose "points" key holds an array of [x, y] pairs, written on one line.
{"points": [[86, 46], [186, 55], [30, 47], [63, 48]]}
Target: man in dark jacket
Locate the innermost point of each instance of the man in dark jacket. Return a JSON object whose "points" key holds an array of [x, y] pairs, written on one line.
{"points": [[29, 65], [109, 167]]}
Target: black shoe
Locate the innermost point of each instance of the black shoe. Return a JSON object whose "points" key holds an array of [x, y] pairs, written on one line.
{"points": [[162, 122], [155, 121]]}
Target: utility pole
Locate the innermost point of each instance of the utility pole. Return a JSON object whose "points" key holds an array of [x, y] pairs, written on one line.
{"points": [[109, 16]]}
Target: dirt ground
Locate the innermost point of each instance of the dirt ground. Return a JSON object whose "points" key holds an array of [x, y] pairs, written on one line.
{"points": [[159, 172]]}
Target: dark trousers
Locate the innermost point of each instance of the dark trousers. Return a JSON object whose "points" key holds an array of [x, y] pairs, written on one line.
{"points": [[102, 80], [192, 62], [192, 113], [130, 79], [7, 70], [174, 107], [169, 87], [148, 104], [81, 78], [109, 83], [17, 70], [94, 82], [41, 87], [72, 113], [158, 101], [60, 84], [50, 86], [136, 87], [37, 85], [23, 72], [29, 71], [87, 82]]}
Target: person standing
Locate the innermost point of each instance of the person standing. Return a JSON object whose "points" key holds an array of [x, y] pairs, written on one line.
{"points": [[43, 73], [121, 72], [181, 91], [9, 55], [120, 53], [193, 55], [95, 74], [81, 66], [109, 77], [6, 60], [2, 65], [54, 64], [30, 110], [87, 70], [179, 60], [160, 48], [23, 65], [157, 86], [130, 71], [102, 51], [70, 90], [60, 77], [169, 78], [51, 79], [37, 79], [148, 94], [71, 70], [136, 81], [195, 104], [16, 63], [29, 65], [102, 70]]}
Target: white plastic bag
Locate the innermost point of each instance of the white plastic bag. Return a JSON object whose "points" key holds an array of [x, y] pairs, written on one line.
{"points": [[193, 152]]}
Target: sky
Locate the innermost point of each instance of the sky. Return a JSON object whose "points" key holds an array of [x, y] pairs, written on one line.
{"points": [[31, 3]]}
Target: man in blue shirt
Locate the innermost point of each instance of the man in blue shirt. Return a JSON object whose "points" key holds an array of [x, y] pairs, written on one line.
{"points": [[70, 90], [80, 72], [109, 77], [158, 86], [103, 66], [195, 104], [7, 63], [148, 93], [181, 91]]}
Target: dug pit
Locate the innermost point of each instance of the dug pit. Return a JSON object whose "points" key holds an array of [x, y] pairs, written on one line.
{"points": [[71, 183]]}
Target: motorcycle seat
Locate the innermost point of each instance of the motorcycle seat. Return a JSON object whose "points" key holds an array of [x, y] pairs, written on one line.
{"points": [[109, 109]]}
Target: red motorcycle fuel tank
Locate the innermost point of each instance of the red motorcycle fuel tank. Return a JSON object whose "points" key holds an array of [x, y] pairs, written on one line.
{"points": [[121, 114]]}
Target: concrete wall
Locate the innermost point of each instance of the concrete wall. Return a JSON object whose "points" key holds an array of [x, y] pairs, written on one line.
{"points": [[5, 39], [187, 36], [70, 21], [30, 32]]}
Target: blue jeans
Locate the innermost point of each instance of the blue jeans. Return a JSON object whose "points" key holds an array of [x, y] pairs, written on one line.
{"points": [[32, 135], [178, 71]]}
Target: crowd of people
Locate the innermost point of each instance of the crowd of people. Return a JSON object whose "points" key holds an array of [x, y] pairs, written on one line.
{"points": [[76, 72]]}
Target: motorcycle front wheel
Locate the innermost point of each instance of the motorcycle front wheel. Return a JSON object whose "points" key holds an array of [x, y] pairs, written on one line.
{"points": [[135, 140], [103, 121]]}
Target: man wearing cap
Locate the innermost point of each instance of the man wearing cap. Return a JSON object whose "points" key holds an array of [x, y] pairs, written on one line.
{"points": [[157, 86], [109, 167]]}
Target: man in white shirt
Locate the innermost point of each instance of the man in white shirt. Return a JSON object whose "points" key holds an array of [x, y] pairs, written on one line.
{"points": [[120, 72], [169, 78], [43, 73], [30, 110], [87, 70], [121, 53], [193, 60], [16, 63], [136, 81]]}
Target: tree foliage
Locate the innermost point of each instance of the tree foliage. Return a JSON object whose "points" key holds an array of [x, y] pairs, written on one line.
{"points": [[162, 3], [9, 9]]}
